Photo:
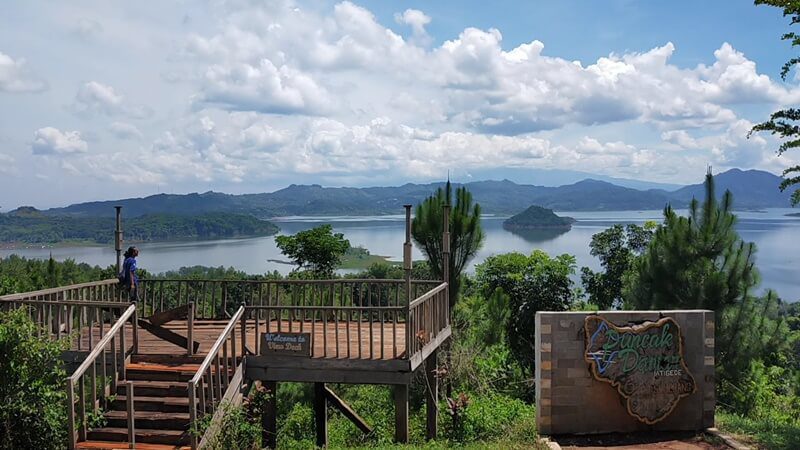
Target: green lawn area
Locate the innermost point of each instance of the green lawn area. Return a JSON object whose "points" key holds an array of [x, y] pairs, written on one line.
{"points": [[763, 433]]}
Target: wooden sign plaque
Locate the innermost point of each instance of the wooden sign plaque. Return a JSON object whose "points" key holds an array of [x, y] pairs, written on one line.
{"points": [[290, 344], [644, 362]]}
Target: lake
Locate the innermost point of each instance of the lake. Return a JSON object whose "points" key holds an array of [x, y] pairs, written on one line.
{"points": [[776, 236]]}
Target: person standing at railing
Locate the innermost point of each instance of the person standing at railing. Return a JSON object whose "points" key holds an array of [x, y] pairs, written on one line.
{"points": [[130, 281]]}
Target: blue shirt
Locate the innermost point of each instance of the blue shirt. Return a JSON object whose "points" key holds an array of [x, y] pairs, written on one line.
{"points": [[127, 267]]}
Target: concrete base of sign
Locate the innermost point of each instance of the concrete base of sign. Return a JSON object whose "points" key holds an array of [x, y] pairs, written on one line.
{"points": [[571, 401]]}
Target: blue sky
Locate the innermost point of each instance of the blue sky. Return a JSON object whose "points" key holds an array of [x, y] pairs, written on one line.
{"points": [[104, 100]]}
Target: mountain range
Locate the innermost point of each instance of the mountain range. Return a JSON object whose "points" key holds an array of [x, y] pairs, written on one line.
{"points": [[752, 189]]}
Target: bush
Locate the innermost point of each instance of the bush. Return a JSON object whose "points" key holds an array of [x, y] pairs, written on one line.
{"points": [[33, 411], [489, 418]]}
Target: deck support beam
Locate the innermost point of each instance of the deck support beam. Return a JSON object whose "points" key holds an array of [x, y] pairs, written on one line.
{"points": [[321, 415], [269, 418], [432, 395], [401, 413]]}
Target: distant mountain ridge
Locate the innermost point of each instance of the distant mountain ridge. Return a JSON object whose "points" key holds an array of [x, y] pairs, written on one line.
{"points": [[751, 189]]}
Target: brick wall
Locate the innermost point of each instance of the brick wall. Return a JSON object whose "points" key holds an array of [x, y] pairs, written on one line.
{"points": [[570, 401]]}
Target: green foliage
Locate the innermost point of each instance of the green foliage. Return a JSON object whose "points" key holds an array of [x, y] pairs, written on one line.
{"points": [[466, 234], [319, 249], [488, 418], [32, 397], [695, 262], [18, 274], [784, 123], [617, 248], [41, 229], [533, 283]]}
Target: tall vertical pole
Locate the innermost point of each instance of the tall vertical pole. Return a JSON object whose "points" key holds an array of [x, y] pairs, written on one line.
{"points": [[446, 248], [118, 238], [446, 279], [407, 265]]}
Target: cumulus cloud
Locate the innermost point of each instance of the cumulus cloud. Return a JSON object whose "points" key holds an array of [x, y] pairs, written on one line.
{"points": [[124, 130], [417, 20], [281, 58], [52, 141], [15, 77], [264, 88], [94, 98]]}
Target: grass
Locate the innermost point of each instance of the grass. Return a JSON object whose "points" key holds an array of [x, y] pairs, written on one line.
{"points": [[762, 433]]}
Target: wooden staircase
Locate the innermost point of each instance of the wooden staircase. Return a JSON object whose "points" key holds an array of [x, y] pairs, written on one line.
{"points": [[161, 405]]}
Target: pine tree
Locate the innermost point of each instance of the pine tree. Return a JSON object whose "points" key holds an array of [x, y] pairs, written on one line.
{"points": [[700, 262], [466, 234]]}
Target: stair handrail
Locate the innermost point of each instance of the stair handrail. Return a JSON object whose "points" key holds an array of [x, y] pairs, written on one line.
{"points": [[215, 389], [91, 360]]}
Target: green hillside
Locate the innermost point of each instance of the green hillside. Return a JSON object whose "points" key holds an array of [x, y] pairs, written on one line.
{"points": [[30, 228]]}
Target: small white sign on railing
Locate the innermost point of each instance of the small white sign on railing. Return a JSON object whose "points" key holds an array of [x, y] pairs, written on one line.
{"points": [[292, 344]]}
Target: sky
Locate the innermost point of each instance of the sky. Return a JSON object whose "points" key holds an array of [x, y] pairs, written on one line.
{"points": [[111, 99]]}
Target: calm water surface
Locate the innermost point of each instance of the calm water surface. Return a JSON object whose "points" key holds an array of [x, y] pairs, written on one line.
{"points": [[776, 236]]}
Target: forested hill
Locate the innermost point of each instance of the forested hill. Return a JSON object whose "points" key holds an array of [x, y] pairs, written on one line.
{"points": [[29, 227], [751, 189]]}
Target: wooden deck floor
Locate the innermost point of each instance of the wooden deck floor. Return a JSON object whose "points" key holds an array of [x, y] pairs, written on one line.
{"points": [[365, 340]]}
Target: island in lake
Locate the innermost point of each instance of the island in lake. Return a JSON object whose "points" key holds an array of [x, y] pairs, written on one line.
{"points": [[538, 218]]}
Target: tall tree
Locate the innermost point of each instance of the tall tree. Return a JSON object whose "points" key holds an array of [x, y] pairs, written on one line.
{"points": [[700, 262], [319, 249], [786, 122], [617, 247], [466, 234]]}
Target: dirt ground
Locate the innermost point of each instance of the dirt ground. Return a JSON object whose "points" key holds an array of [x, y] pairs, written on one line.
{"points": [[641, 441]]}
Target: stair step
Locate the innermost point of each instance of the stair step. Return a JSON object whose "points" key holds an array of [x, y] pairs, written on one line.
{"points": [[167, 359], [154, 420], [146, 388], [155, 403], [144, 436], [160, 372], [123, 445]]}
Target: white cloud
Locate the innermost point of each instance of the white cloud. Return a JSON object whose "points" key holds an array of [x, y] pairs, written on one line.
{"points": [[264, 88], [15, 77], [87, 28], [680, 138], [6, 164], [124, 130], [417, 20], [94, 98], [52, 141]]}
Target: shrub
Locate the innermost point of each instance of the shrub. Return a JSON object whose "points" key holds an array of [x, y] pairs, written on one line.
{"points": [[33, 401], [487, 418]]}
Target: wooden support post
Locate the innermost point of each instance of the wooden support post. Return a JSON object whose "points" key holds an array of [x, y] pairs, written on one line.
{"points": [[401, 413], [321, 415], [269, 419], [347, 411], [190, 328], [432, 397]]}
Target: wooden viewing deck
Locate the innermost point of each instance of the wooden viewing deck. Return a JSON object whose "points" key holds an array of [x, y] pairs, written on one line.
{"points": [[154, 368]]}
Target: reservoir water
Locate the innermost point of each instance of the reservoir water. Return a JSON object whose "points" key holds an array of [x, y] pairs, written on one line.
{"points": [[777, 238]]}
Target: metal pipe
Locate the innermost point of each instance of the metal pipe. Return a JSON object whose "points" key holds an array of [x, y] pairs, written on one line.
{"points": [[118, 238]]}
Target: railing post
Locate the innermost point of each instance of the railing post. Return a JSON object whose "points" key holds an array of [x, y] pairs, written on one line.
{"points": [[193, 430], [71, 413], [131, 418], [135, 324], [190, 331]]}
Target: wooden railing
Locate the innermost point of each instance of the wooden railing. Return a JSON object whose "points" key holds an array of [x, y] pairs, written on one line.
{"points": [[217, 299], [428, 316], [213, 380], [84, 323], [105, 290], [84, 378]]}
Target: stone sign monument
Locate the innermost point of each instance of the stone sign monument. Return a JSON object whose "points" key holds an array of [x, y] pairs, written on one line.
{"points": [[621, 371]]}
